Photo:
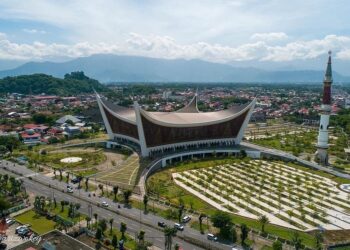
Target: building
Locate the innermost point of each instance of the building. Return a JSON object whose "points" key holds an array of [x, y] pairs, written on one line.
{"points": [[30, 137], [68, 119], [186, 129], [325, 111]]}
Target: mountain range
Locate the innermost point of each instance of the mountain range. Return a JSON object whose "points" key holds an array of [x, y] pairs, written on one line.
{"points": [[116, 68]]}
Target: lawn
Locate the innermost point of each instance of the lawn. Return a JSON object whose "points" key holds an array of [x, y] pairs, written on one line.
{"points": [[39, 224]]}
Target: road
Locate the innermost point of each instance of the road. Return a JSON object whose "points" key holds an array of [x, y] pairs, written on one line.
{"points": [[135, 219]]}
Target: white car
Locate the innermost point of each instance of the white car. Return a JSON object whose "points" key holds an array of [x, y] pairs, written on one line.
{"points": [[10, 221], [179, 226], [212, 237], [70, 190], [186, 219], [104, 204]]}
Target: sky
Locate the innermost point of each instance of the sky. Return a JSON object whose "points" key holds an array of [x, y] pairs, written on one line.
{"points": [[260, 32]]}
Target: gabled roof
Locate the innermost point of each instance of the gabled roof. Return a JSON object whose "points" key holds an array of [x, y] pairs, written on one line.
{"points": [[66, 118]]}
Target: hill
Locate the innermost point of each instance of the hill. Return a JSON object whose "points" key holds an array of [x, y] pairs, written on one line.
{"points": [[114, 68], [71, 84]]}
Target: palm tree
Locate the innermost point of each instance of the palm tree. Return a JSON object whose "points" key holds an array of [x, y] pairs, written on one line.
{"points": [[95, 216], [88, 220], [80, 178], [86, 184], [103, 225], [60, 171], [145, 202], [319, 240], [98, 236], [67, 175], [100, 186], [169, 233], [123, 229], [111, 224], [115, 192], [296, 241], [114, 242], [200, 218], [62, 205], [263, 221], [180, 212], [127, 194], [141, 237]]}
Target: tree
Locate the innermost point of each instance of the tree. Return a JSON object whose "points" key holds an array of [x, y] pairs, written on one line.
{"points": [[86, 184], [95, 216], [141, 237], [67, 175], [88, 220], [169, 233], [296, 241], [318, 240], [244, 233], [200, 219], [100, 186], [127, 193], [115, 242], [103, 225], [263, 221], [60, 171], [180, 212], [111, 225], [222, 220], [277, 245], [62, 205], [123, 229], [98, 234], [115, 192], [145, 202]]}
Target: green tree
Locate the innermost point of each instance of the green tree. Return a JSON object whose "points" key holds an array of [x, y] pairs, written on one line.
{"points": [[123, 229], [115, 192], [277, 245], [111, 225], [318, 241], [296, 241], [145, 202], [244, 233], [127, 193], [263, 221], [222, 220], [114, 241], [169, 233]]}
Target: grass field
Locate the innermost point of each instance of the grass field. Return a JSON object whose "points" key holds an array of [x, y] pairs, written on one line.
{"points": [[124, 175], [39, 224]]}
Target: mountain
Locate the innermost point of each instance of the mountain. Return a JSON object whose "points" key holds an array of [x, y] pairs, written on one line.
{"points": [[114, 68], [72, 84]]}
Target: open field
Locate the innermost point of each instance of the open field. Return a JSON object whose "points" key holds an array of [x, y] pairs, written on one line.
{"points": [[124, 174], [288, 196]]}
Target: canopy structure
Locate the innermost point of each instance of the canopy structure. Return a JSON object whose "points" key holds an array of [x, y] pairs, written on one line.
{"points": [[182, 129]]}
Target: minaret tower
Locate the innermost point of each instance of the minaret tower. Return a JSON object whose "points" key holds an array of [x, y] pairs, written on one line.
{"points": [[322, 140]]}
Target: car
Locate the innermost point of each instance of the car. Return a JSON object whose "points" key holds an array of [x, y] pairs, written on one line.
{"points": [[23, 231], [179, 227], [186, 219], [10, 221], [76, 180], [161, 224], [212, 237], [20, 228], [104, 204], [70, 190], [3, 246]]}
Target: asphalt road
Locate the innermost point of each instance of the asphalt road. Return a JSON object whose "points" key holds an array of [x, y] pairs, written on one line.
{"points": [[135, 219]]}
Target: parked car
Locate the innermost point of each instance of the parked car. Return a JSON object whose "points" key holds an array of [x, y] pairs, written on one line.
{"points": [[69, 190], [10, 221], [212, 237], [20, 228], [3, 246], [104, 204], [161, 224], [76, 180], [186, 219], [179, 227]]}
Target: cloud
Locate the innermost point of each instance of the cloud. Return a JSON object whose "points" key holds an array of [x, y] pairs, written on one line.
{"points": [[3, 36], [272, 36], [168, 48], [34, 31]]}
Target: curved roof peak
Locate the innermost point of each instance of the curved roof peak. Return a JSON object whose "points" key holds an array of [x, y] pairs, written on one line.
{"points": [[191, 107]]}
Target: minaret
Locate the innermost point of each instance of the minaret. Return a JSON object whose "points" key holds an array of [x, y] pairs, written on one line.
{"points": [[322, 141]]}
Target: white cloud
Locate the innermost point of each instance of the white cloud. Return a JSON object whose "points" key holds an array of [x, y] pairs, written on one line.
{"points": [[3, 36], [34, 31], [272, 36], [169, 48]]}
